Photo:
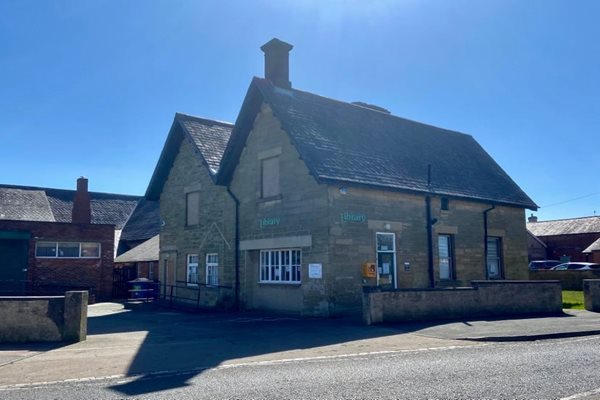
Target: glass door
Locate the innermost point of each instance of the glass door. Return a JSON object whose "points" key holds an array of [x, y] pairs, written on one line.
{"points": [[386, 260]]}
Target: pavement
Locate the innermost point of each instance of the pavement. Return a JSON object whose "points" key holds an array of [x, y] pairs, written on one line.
{"points": [[144, 340]]}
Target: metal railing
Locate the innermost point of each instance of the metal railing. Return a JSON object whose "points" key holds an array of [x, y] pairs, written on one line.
{"points": [[194, 296]]}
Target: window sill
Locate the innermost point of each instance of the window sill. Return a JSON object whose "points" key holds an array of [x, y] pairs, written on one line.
{"points": [[269, 199], [267, 283]]}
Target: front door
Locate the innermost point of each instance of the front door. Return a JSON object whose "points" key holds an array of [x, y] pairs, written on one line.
{"points": [[13, 265], [386, 260]]}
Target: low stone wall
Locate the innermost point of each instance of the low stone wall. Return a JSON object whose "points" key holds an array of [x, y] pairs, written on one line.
{"points": [[44, 318], [483, 299], [570, 280], [591, 294]]}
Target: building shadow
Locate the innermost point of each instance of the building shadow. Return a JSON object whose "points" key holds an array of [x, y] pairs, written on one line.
{"points": [[180, 346]]}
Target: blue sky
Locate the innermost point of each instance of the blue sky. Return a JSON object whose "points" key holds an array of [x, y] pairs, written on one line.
{"points": [[91, 87]]}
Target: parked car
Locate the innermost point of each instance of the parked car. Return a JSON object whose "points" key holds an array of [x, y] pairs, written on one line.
{"points": [[577, 266], [543, 264]]}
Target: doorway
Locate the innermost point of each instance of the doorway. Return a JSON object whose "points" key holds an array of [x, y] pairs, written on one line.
{"points": [[386, 260], [13, 265]]}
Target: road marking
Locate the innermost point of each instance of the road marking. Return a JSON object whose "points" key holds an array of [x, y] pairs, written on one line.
{"points": [[582, 395], [166, 373]]}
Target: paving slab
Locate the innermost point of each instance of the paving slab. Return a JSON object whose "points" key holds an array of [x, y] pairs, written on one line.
{"points": [[571, 323]]}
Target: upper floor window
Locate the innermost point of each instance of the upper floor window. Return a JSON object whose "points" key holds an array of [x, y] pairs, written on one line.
{"points": [[445, 206], [270, 177], [67, 250], [192, 208]]}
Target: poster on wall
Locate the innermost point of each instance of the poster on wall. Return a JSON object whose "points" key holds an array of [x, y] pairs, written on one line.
{"points": [[315, 271]]}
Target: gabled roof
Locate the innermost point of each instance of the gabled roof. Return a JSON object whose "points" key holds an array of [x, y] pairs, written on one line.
{"points": [[593, 247], [144, 223], [353, 144], [28, 203], [537, 239], [147, 251], [209, 138], [570, 226]]}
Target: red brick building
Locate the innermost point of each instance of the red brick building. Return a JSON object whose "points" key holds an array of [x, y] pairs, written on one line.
{"points": [[53, 240], [567, 239]]}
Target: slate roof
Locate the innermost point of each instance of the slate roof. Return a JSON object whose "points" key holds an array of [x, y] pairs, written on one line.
{"points": [[30, 205], [27, 203], [147, 251], [593, 247], [209, 137], [565, 226], [144, 223], [350, 143]]}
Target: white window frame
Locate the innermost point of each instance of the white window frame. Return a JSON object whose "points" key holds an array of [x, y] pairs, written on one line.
{"points": [[190, 264], [498, 259], [277, 264], [212, 269], [449, 259], [57, 243]]}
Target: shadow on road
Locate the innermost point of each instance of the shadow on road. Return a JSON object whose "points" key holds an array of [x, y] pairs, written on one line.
{"points": [[194, 342], [177, 341]]}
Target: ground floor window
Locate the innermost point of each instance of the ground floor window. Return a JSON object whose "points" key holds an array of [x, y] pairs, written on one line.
{"points": [[446, 257], [67, 250], [494, 257], [192, 270], [212, 269], [280, 266]]}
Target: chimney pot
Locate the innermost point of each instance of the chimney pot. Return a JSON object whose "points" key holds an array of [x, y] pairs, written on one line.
{"points": [[82, 210], [532, 218], [277, 62]]}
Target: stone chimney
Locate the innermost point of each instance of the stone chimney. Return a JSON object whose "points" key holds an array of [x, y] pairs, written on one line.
{"points": [[532, 218], [277, 62], [82, 210]]}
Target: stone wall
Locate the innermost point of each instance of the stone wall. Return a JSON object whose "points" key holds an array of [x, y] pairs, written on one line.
{"points": [[591, 294], [570, 280], [352, 239], [483, 299], [215, 232], [298, 218], [44, 319]]}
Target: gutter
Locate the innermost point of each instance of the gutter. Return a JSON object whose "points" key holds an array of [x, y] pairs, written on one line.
{"points": [[236, 248], [485, 238]]}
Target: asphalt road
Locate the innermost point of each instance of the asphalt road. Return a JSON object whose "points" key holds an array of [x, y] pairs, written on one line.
{"points": [[547, 369]]}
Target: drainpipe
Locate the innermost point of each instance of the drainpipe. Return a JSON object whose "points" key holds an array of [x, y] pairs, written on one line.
{"points": [[236, 248], [485, 239], [429, 223]]}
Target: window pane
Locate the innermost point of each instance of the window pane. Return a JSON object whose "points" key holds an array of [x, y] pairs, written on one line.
{"points": [[385, 242], [68, 249], [90, 250], [192, 204], [45, 249], [270, 177]]}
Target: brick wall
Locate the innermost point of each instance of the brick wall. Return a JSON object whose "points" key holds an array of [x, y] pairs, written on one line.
{"points": [[73, 272], [569, 245], [214, 234]]}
